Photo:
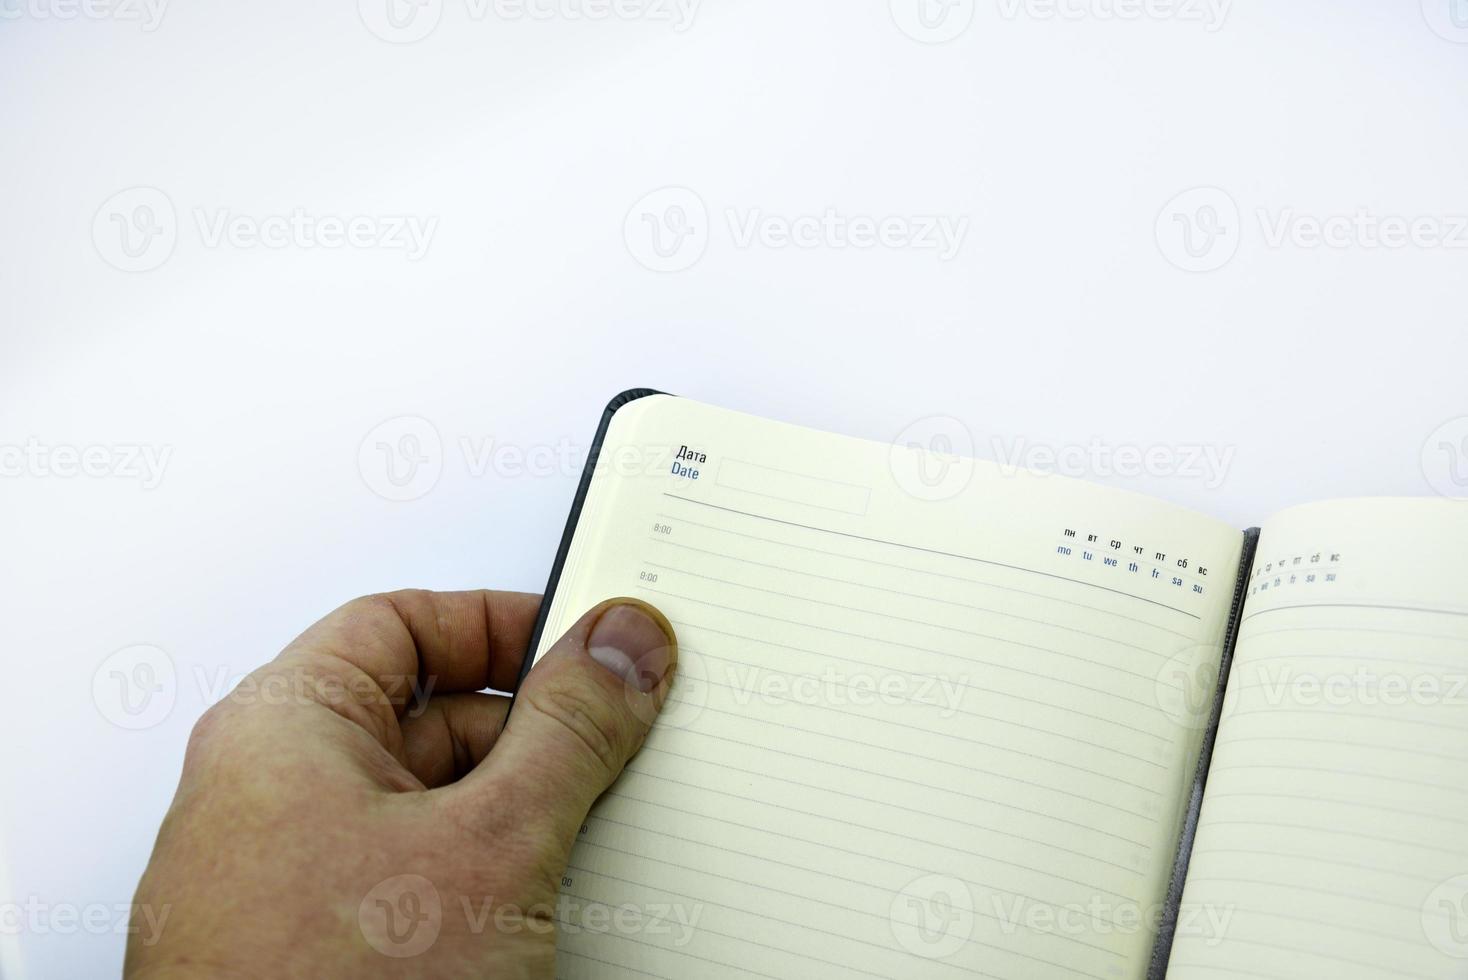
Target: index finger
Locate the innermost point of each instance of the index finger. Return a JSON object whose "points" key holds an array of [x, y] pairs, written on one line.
{"points": [[455, 641]]}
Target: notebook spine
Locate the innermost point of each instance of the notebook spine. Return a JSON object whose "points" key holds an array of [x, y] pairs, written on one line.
{"points": [[1167, 925], [582, 488]]}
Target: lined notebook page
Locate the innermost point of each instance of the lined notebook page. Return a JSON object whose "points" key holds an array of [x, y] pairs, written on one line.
{"points": [[1332, 836], [931, 720]]}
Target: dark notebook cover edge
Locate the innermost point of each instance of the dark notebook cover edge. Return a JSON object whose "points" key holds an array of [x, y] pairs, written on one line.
{"points": [[1167, 926], [584, 487]]}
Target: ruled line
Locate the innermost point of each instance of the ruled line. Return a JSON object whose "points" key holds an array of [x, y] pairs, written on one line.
{"points": [[1393, 658], [934, 551], [912, 782], [1457, 638], [914, 622], [942, 789], [735, 908], [1435, 610], [1348, 772], [906, 809], [872, 717], [1328, 956], [1415, 942], [1316, 829], [905, 753], [639, 972], [892, 833], [705, 959], [1456, 820], [908, 646], [1370, 746], [687, 624], [1333, 892], [898, 592], [781, 949], [1316, 859], [1230, 969], [959, 738], [1329, 712], [922, 571], [866, 855], [815, 871]]}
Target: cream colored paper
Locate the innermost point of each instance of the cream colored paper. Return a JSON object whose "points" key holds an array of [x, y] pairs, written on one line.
{"points": [[926, 725], [1332, 836]]}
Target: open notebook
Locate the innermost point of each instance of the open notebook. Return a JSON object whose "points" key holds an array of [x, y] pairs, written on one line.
{"points": [[928, 728]]}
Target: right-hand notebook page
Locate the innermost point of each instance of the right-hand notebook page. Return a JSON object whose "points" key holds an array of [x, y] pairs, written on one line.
{"points": [[1332, 838]]}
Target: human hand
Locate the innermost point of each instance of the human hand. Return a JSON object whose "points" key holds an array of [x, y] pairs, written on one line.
{"points": [[328, 823]]}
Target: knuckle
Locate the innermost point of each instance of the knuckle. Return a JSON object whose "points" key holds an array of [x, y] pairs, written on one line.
{"points": [[214, 743], [223, 720], [589, 720], [376, 602], [395, 602], [366, 602], [207, 729]]}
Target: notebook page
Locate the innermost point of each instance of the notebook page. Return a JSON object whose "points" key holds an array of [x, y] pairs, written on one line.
{"points": [[932, 719], [1332, 838]]}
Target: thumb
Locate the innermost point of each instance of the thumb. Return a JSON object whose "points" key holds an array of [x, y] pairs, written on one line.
{"points": [[581, 714]]}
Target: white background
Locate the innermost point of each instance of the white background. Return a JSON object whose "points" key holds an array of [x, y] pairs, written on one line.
{"points": [[1063, 322]]}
